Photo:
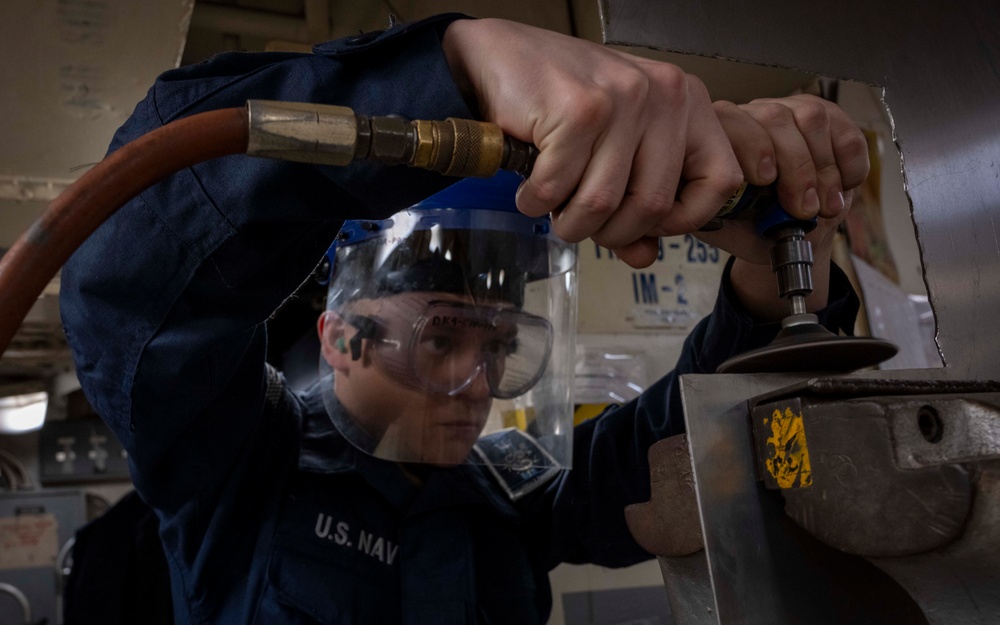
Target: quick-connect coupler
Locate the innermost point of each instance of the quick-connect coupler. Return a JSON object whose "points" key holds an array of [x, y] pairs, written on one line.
{"points": [[335, 135]]}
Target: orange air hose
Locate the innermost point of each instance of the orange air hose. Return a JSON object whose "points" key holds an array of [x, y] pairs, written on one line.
{"points": [[73, 216]]}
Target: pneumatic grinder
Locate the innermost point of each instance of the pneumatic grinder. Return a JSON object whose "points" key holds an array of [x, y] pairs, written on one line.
{"points": [[803, 344]]}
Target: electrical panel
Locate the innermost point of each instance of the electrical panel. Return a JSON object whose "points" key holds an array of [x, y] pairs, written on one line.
{"points": [[80, 450], [35, 532]]}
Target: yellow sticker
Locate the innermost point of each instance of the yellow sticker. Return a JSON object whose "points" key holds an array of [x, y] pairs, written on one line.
{"points": [[733, 200], [519, 418], [789, 454], [585, 412]]}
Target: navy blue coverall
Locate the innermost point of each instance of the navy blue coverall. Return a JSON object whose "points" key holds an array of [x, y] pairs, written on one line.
{"points": [[267, 515]]}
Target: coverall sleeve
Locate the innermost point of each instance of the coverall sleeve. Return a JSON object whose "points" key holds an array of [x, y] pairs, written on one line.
{"points": [[581, 514], [165, 305]]}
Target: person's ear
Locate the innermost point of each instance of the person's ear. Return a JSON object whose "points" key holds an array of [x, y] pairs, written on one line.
{"points": [[333, 344]]}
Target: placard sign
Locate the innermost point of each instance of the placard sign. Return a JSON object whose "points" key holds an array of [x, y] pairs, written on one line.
{"points": [[670, 296], [28, 540]]}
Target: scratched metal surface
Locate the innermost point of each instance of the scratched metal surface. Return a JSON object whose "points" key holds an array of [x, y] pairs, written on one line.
{"points": [[765, 569], [971, 595], [938, 64]]}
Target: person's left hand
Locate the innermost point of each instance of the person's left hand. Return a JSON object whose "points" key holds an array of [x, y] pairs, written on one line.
{"points": [[813, 152], [816, 155]]}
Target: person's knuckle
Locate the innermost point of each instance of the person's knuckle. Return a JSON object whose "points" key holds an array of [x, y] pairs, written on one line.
{"points": [[695, 87], [828, 171], [652, 203], [668, 84], [727, 179], [675, 79], [546, 193], [803, 172], [588, 109], [567, 232], [725, 108], [773, 114], [632, 83], [731, 180], [812, 116], [605, 240], [852, 154], [597, 203], [853, 143]]}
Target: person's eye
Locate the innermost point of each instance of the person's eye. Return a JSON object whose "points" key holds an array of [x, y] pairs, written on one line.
{"points": [[511, 345], [504, 347], [439, 345]]}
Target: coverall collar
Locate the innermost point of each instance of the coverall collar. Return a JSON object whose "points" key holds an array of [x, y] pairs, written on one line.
{"points": [[325, 451]]}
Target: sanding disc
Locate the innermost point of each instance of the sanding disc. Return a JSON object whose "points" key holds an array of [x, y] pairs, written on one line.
{"points": [[811, 347]]}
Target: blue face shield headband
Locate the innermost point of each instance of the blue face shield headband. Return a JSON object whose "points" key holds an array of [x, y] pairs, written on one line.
{"points": [[467, 240]]}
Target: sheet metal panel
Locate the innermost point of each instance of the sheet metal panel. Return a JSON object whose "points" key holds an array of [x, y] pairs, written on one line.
{"points": [[938, 65]]}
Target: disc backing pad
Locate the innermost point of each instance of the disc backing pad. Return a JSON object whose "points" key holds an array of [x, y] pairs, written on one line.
{"points": [[811, 347]]}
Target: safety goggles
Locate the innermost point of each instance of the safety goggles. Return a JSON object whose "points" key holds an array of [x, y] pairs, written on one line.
{"points": [[443, 346]]}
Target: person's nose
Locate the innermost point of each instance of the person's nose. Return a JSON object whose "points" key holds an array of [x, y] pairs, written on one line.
{"points": [[479, 387], [476, 386]]}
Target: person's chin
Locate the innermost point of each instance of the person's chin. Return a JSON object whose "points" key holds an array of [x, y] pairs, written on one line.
{"points": [[455, 444], [446, 460]]}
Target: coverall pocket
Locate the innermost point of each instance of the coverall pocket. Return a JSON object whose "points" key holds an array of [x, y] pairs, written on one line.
{"points": [[328, 587]]}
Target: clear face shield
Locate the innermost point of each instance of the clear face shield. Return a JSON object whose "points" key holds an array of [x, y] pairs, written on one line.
{"points": [[449, 336]]}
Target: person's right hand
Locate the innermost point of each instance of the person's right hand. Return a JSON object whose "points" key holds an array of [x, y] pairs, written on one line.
{"points": [[630, 149]]}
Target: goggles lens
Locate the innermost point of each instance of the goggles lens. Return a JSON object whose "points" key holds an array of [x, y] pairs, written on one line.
{"points": [[447, 345]]}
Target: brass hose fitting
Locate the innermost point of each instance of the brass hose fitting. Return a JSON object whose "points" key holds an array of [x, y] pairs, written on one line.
{"points": [[335, 135]]}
